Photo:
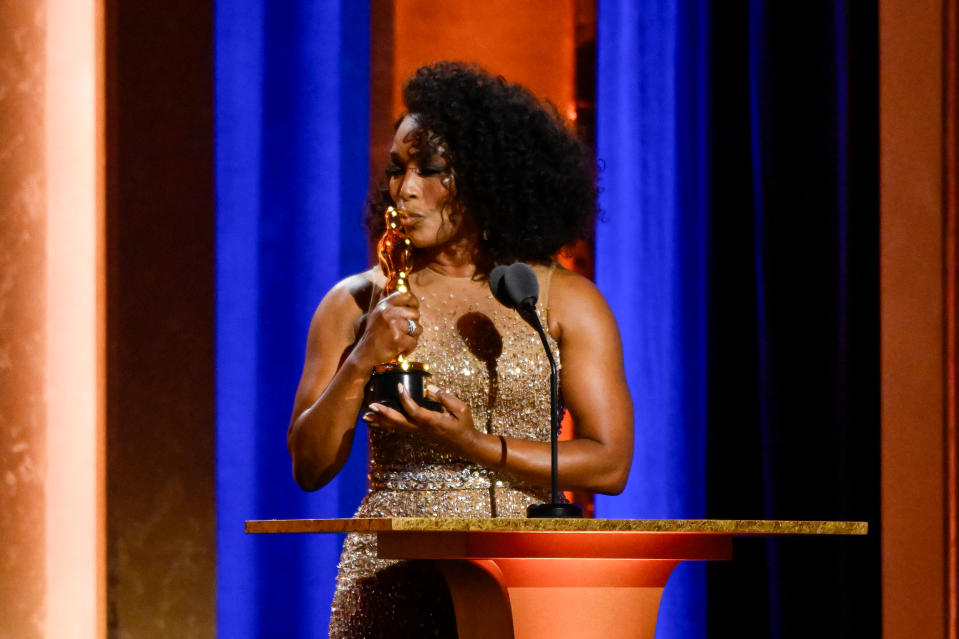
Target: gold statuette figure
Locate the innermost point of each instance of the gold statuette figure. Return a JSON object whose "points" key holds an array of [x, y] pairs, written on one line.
{"points": [[395, 254]]}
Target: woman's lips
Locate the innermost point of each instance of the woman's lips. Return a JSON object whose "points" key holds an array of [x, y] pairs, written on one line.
{"points": [[406, 219]]}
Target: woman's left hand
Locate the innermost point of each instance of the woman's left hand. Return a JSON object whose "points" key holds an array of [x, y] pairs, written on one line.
{"points": [[453, 428]]}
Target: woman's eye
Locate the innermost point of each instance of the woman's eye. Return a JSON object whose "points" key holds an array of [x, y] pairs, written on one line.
{"points": [[394, 171], [431, 170]]}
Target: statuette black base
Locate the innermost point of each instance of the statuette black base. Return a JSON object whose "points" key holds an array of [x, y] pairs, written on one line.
{"points": [[381, 389]]}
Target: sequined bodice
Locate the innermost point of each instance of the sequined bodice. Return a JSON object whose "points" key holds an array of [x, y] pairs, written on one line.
{"points": [[486, 355]]}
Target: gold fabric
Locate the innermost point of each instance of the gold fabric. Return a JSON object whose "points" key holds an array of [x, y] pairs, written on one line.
{"points": [[490, 358]]}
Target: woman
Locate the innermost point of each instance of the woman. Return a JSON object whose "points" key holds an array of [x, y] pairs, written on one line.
{"points": [[482, 174]]}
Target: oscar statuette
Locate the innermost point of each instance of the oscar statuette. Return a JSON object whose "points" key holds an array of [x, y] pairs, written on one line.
{"points": [[395, 254]]}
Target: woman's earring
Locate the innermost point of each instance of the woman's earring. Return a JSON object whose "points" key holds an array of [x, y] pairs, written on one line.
{"points": [[485, 235]]}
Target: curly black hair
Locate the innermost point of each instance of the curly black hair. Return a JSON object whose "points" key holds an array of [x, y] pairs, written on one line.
{"points": [[520, 172]]}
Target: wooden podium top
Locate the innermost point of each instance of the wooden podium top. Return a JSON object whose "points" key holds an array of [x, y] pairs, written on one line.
{"points": [[735, 527]]}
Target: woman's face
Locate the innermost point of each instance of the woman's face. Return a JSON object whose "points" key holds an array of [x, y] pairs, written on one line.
{"points": [[421, 182]]}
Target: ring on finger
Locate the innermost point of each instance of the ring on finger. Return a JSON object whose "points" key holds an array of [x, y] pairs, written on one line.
{"points": [[411, 330]]}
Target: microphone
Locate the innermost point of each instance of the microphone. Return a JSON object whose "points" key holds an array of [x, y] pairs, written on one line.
{"points": [[498, 288], [516, 287]]}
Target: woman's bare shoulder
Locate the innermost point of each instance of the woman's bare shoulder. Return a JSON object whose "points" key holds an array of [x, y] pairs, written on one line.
{"points": [[566, 280], [345, 303], [569, 287], [574, 300], [355, 291]]}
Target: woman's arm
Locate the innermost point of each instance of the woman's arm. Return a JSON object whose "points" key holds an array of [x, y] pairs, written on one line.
{"points": [[336, 369], [594, 390]]}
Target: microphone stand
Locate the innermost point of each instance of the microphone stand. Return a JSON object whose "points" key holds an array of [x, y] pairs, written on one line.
{"points": [[555, 509]]}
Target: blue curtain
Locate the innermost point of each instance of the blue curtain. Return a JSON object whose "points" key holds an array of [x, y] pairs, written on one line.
{"points": [[651, 261], [292, 110]]}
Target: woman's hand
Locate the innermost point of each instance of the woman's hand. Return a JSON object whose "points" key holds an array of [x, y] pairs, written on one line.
{"points": [[452, 429], [387, 334]]}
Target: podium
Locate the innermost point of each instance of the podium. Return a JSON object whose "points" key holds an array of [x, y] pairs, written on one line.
{"points": [[533, 578]]}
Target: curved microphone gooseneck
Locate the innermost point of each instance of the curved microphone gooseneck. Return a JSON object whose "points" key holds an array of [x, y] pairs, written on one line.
{"points": [[516, 286]]}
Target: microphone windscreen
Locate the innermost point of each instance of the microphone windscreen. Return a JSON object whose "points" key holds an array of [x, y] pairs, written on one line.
{"points": [[497, 286], [521, 284]]}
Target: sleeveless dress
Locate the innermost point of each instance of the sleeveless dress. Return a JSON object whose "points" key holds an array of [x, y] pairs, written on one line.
{"points": [[486, 355]]}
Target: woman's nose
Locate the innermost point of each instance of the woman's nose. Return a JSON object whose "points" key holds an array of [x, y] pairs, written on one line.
{"points": [[409, 186]]}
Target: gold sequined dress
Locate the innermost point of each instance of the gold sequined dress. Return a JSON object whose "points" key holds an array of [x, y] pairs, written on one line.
{"points": [[490, 358]]}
